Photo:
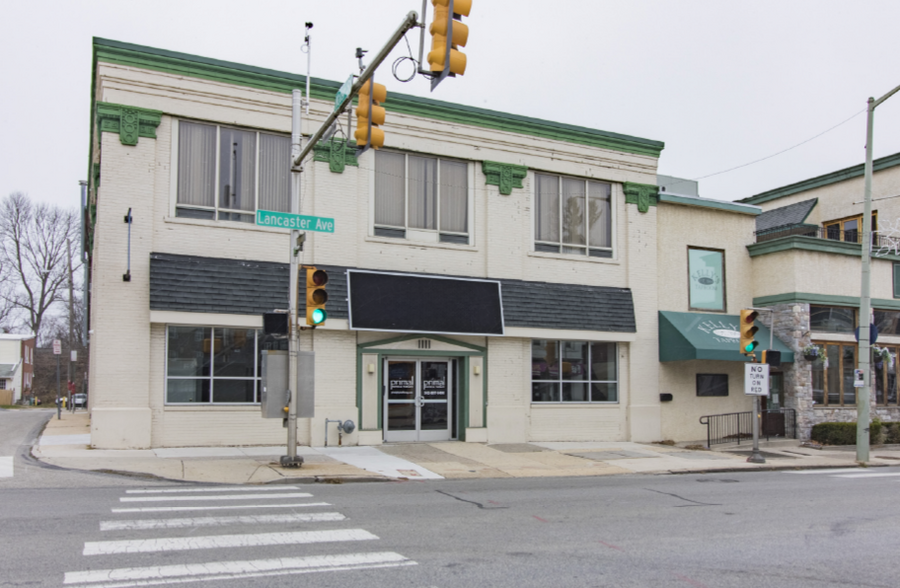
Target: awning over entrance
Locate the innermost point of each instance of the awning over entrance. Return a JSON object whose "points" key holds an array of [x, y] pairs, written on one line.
{"points": [[693, 335]]}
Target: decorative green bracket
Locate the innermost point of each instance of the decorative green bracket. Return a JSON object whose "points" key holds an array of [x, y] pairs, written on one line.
{"points": [[643, 195], [505, 175], [337, 153], [129, 121]]}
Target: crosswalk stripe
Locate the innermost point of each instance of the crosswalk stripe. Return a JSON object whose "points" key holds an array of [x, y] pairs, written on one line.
{"points": [[143, 524], [212, 489], [220, 541], [825, 471], [223, 507], [227, 570], [6, 467], [217, 497], [869, 475]]}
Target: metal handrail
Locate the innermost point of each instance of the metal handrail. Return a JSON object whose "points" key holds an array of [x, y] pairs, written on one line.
{"points": [[830, 234], [734, 426]]}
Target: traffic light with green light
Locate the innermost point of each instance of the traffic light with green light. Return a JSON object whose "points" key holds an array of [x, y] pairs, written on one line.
{"points": [[748, 331], [370, 115], [316, 296]]}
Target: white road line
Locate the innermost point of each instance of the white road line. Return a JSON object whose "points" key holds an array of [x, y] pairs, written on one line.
{"points": [[217, 497], [213, 489], [144, 524], [228, 570], [6, 467], [224, 507], [220, 541], [826, 471], [870, 475]]}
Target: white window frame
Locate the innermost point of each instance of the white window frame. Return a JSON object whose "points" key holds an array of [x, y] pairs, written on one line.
{"points": [[173, 183], [424, 235], [613, 213]]}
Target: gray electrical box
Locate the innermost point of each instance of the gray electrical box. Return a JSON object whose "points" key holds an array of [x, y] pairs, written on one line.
{"points": [[274, 371], [306, 384]]}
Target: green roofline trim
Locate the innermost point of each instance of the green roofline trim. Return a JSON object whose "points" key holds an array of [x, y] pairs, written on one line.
{"points": [[823, 300], [856, 171], [644, 195], [803, 243], [709, 203], [128, 122], [116, 52]]}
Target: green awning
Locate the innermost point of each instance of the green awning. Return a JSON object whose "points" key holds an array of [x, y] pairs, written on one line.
{"points": [[694, 335]]}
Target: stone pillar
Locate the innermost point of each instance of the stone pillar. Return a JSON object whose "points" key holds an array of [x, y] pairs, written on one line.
{"points": [[792, 329]]}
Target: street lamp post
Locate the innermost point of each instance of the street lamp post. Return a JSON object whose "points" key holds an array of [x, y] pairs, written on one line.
{"points": [[865, 300]]}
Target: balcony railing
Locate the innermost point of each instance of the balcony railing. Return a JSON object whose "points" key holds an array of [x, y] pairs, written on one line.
{"points": [[829, 234]]}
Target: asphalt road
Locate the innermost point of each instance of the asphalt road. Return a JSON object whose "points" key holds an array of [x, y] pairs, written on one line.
{"points": [[755, 529]]}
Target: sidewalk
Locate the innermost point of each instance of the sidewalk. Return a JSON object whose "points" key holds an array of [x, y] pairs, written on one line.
{"points": [[64, 443]]}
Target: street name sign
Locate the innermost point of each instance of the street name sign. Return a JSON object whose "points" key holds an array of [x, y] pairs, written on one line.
{"points": [[756, 379], [299, 222], [343, 92]]}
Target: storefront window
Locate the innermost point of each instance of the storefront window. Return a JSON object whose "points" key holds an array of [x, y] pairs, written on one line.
{"points": [[884, 360], [888, 322], [573, 371], [706, 279], [832, 376], [712, 384], [212, 365]]}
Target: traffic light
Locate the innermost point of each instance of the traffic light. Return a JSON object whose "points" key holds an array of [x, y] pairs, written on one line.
{"points": [[370, 114], [771, 357], [748, 331], [442, 45], [316, 296]]}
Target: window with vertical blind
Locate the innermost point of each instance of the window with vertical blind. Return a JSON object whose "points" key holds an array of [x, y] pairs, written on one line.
{"points": [[226, 173], [424, 195], [573, 216]]}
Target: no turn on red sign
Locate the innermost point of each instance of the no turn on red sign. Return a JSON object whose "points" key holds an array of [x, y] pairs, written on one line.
{"points": [[756, 379]]}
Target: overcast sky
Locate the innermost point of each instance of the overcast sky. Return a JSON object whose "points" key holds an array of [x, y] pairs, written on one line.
{"points": [[722, 83]]}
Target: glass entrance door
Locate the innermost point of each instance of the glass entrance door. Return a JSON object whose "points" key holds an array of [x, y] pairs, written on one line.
{"points": [[417, 404]]}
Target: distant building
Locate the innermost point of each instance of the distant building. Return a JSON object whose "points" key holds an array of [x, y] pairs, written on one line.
{"points": [[16, 366]]}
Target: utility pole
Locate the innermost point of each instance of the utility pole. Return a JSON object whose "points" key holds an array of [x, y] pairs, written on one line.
{"points": [[865, 299], [70, 368]]}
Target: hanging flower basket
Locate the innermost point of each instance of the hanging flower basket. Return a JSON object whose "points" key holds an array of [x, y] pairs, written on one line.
{"points": [[880, 355], [812, 352]]}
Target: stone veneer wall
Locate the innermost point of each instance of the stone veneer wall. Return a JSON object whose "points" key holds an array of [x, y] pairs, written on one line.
{"points": [[792, 328]]}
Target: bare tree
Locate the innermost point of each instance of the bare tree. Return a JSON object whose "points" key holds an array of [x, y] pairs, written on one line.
{"points": [[33, 252]]}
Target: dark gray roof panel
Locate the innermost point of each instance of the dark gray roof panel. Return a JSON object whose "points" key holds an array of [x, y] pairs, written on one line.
{"points": [[792, 214], [188, 283]]}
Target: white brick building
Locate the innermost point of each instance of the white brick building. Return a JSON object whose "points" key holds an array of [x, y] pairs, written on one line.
{"points": [[562, 225]]}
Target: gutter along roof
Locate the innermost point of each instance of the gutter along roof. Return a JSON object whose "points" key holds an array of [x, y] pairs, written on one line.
{"points": [[117, 52]]}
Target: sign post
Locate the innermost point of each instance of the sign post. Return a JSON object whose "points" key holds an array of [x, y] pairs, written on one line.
{"points": [[57, 350], [756, 384]]}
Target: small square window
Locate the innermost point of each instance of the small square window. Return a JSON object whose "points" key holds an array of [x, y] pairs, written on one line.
{"points": [[712, 384]]}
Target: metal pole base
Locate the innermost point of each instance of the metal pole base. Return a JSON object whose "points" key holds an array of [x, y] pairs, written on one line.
{"points": [[291, 462], [756, 457]]}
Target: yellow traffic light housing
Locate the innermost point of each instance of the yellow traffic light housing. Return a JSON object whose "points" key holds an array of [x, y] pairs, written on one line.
{"points": [[748, 332], [316, 296], [370, 115], [447, 35]]}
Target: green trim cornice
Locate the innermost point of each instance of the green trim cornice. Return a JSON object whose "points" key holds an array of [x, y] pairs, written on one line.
{"points": [[505, 175], [337, 153], [842, 175], [129, 122], [709, 203], [802, 243], [183, 64], [644, 195], [823, 300]]}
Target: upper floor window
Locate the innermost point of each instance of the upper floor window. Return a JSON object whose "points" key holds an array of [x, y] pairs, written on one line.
{"points": [[227, 174], [832, 319], [423, 198], [706, 279], [572, 216], [848, 229]]}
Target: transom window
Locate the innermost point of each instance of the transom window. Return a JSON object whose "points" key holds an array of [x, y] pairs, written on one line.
{"points": [[572, 216], [832, 319], [573, 371], [212, 365], [424, 198], [227, 174]]}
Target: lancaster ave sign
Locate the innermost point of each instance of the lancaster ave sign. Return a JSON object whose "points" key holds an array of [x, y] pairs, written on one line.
{"points": [[299, 222], [756, 379]]}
